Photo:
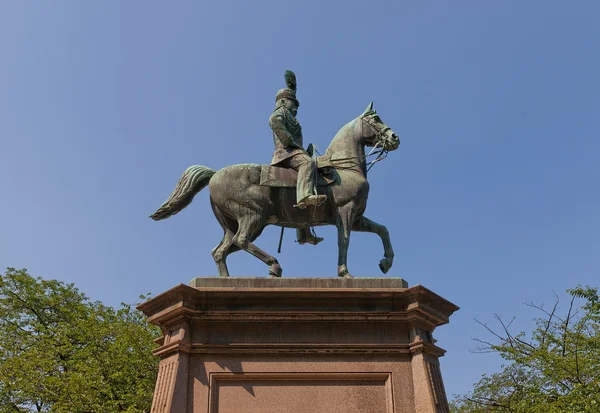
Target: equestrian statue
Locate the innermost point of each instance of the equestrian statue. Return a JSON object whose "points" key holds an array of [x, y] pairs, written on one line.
{"points": [[297, 190]]}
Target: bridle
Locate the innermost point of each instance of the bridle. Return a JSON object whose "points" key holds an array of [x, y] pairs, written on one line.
{"points": [[380, 137], [377, 150]]}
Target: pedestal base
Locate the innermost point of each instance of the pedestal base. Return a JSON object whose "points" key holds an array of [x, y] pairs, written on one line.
{"points": [[307, 345]]}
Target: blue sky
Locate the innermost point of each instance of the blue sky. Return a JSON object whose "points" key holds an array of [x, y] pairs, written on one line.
{"points": [[491, 200]]}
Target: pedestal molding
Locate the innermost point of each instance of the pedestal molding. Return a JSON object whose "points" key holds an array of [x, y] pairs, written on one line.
{"points": [[227, 349]]}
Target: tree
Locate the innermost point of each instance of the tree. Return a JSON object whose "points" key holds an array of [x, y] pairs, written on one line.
{"points": [[556, 368], [62, 352]]}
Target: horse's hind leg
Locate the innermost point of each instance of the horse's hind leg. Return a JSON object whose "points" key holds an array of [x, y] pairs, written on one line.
{"points": [[274, 267], [249, 226], [221, 251], [225, 247]]}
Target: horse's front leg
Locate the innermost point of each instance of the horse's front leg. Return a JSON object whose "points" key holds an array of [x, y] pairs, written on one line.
{"points": [[366, 225], [344, 226]]}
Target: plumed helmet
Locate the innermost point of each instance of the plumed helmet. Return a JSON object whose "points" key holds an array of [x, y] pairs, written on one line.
{"points": [[290, 91]]}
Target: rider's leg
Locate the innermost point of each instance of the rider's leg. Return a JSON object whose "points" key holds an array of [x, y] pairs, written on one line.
{"points": [[304, 165], [305, 187]]}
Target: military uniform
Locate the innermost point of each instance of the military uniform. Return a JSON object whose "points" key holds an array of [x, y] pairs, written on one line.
{"points": [[289, 152]]}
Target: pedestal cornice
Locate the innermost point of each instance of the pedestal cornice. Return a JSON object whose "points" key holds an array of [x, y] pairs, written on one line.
{"points": [[298, 303]]}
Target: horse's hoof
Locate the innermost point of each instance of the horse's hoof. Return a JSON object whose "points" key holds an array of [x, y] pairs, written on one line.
{"points": [[385, 265], [275, 271], [343, 272]]}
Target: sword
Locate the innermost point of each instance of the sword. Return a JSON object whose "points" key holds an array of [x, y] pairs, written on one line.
{"points": [[280, 240]]}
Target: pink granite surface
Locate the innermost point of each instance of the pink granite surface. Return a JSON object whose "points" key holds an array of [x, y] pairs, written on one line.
{"points": [[294, 349]]}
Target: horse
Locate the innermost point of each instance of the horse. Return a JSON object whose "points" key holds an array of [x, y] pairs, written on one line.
{"points": [[244, 207]]}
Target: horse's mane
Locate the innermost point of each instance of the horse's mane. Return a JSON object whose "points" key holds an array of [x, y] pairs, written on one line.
{"points": [[341, 133]]}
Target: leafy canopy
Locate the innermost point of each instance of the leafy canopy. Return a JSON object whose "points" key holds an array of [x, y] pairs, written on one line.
{"points": [[62, 352], [555, 368]]}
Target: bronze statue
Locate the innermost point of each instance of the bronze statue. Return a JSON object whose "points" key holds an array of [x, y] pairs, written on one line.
{"points": [[246, 198], [290, 153]]}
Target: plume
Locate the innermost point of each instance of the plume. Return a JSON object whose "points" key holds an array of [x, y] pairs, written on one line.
{"points": [[290, 79]]}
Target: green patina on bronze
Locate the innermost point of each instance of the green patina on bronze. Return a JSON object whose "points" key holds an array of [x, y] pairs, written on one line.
{"points": [[245, 198]]}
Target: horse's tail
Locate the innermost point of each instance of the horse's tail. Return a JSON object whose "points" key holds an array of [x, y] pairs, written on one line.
{"points": [[194, 179]]}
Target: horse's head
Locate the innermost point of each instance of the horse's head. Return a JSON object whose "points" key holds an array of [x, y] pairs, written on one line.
{"points": [[377, 133]]}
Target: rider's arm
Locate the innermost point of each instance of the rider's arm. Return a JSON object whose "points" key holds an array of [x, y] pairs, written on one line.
{"points": [[277, 123]]}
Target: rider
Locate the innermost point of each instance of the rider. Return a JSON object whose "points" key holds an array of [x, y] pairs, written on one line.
{"points": [[289, 153]]}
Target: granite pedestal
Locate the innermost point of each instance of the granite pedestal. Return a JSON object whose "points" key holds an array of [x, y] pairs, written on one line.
{"points": [[298, 345]]}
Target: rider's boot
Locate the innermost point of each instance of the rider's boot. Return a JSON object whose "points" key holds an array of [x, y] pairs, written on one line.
{"points": [[305, 236], [314, 200]]}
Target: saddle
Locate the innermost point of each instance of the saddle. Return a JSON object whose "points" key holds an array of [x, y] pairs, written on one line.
{"points": [[276, 176]]}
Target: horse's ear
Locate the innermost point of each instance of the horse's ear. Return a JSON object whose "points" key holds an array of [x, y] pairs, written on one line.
{"points": [[369, 108]]}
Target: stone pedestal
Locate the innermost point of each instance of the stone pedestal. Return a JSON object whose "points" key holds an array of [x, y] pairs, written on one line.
{"points": [[298, 345]]}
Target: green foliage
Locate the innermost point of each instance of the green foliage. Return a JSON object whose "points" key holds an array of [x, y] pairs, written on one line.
{"points": [[554, 369], [62, 352]]}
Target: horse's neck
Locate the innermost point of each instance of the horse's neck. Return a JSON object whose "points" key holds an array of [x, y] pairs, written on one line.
{"points": [[348, 148]]}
